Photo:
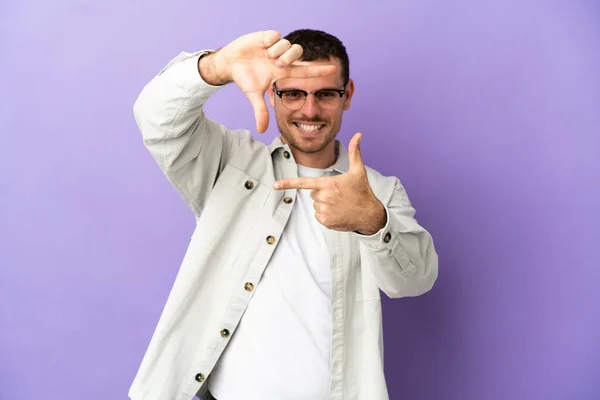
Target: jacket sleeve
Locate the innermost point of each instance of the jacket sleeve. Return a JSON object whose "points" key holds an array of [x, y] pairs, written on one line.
{"points": [[401, 255], [190, 149]]}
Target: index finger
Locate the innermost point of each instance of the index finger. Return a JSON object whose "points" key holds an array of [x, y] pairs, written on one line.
{"points": [[299, 183]]}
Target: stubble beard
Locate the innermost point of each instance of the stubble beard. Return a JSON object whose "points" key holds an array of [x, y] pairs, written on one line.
{"points": [[307, 147]]}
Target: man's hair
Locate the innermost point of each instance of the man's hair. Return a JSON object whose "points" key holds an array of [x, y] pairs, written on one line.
{"points": [[321, 46]]}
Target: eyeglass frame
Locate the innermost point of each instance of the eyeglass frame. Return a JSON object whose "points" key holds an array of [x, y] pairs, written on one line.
{"points": [[280, 93]]}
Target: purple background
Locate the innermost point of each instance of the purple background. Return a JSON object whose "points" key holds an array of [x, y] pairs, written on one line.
{"points": [[488, 111]]}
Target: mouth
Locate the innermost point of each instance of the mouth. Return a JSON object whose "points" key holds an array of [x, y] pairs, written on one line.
{"points": [[309, 129]]}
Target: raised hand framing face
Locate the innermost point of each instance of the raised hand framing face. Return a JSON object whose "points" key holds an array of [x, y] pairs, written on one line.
{"points": [[254, 61], [344, 202]]}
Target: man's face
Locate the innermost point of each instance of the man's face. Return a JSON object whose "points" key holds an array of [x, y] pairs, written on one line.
{"points": [[313, 126]]}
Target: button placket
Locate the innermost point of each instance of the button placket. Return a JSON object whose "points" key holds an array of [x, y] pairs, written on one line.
{"points": [[273, 229], [338, 315]]}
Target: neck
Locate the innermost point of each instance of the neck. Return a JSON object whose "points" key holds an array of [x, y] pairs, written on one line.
{"points": [[322, 159]]}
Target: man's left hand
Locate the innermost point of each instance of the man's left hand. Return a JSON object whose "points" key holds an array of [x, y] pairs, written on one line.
{"points": [[344, 202]]}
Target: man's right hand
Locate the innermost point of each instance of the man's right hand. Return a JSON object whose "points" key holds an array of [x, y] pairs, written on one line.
{"points": [[254, 61]]}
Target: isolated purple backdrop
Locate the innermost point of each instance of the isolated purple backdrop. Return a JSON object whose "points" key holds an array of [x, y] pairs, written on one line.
{"points": [[488, 111]]}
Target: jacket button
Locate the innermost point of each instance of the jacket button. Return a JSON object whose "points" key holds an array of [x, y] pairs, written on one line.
{"points": [[287, 200], [249, 287], [199, 377], [286, 154], [224, 333], [249, 185], [270, 239], [387, 237]]}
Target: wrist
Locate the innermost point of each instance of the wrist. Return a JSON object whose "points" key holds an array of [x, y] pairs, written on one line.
{"points": [[213, 70], [375, 219]]}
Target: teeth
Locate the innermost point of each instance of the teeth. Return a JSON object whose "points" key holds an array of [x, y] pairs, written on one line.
{"points": [[309, 128]]}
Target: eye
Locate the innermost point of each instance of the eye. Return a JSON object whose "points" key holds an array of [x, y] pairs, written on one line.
{"points": [[293, 95], [327, 94]]}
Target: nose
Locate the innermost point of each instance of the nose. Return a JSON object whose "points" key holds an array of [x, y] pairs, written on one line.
{"points": [[310, 107]]}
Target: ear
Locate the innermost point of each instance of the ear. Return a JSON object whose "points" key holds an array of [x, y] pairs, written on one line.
{"points": [[349, 93], [271, 97]]}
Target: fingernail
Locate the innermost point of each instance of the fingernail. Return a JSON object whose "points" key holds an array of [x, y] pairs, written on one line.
{"points": [[279, 63]]}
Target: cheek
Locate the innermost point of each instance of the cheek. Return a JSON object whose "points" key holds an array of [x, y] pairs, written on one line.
{"points": [[335, 117], [281, 114]]}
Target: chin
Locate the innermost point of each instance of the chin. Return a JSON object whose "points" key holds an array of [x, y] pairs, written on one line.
{"points": [[313, 147], [312, 143]]}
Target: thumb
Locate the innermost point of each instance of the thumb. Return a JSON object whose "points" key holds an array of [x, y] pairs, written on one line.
{"points": [[356, 162], [261, 113]]}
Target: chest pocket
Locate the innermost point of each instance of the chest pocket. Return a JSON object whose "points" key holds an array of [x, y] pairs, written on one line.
{"points": [[233, 208]]}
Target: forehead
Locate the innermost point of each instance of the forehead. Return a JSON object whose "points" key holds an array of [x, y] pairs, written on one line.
{"points": [[330, 81]]}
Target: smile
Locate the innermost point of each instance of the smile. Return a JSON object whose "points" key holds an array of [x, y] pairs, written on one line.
{"points": [[310, 128]]}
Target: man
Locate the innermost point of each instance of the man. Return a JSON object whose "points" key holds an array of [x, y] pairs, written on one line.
{"points": [[278, 296]]}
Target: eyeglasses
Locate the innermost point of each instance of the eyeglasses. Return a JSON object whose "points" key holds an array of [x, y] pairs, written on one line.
{"points": [[294, 99]]}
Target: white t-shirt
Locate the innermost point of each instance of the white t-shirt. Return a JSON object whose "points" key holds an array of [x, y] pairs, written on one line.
{"points": [[281, 347]]}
